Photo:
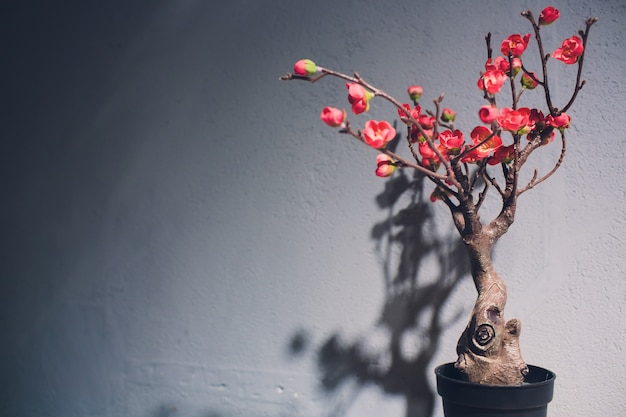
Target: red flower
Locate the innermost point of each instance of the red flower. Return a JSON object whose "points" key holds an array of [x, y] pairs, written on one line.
{"points": [[571, 49], [471, 157], [485, 147], [514, 45], [503, 64], [359, 97], [427, 122], [487, 113], [548, 15], [503, 154], [453, 141], [378, 134], [430, 158], [492, 80], [415, 113], [426, 151], [385, 165], [515, 121], [560, 122], [333, 117]]}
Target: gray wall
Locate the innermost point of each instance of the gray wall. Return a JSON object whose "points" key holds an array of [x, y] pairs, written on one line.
{"points": [[182, 236]]}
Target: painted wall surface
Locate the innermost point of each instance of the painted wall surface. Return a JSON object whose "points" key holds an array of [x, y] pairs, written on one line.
{"points": [[182, 236]]}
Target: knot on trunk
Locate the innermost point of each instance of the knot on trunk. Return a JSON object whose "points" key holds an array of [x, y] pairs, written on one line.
{"points": [[489, 349]]}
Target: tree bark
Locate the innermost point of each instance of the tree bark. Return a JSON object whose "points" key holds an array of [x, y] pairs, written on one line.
{"points": [[489, 349]]}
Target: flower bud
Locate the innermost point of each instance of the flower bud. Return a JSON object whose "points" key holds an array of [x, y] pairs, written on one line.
{"points": [[448, 115], [359, 97], [333, 117], [385, 166], [415, 92], [305, 67], [528, 81], [487, 114], [548, 15]]}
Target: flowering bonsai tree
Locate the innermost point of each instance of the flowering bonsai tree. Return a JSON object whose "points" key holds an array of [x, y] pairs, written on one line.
{"points": [[464, 170]]}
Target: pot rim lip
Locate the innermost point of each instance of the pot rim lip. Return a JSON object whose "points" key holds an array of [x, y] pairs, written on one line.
{"points": [[550, 377]]}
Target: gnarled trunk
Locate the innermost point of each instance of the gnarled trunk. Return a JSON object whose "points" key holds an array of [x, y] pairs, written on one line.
{"points": [[488, 349]]}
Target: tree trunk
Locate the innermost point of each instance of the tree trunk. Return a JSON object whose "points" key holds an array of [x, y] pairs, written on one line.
{"points": [[488, 349]]}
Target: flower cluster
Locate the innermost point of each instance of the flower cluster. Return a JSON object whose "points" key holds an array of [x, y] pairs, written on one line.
{"points": [[434, 136], [431, 135]]}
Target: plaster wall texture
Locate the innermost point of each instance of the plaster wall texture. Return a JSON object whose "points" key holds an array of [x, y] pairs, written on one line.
{"points": [[182, 236]]}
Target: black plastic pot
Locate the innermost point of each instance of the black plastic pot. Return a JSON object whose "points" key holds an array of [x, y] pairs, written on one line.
{"points": [[466, 399]]}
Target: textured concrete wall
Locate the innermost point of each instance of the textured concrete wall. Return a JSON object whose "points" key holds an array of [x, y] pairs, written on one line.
{"points": [[181, 235]]}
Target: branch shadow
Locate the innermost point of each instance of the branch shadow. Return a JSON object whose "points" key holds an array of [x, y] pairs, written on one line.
{"points": [[395, 354]]}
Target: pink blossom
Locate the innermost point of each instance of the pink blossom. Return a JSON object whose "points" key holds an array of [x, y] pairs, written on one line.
{"points": [[504, 154], [571, 49], [453, 141], [492, 80], [333, 117], [488, 113], [472, 157], [514, 45], [560, 122], [385, 165], [515, 121], [426, 151], [548, 15], [485, 147], [359, 97], [415, 113], [429, 156], [503, 64], [426, 121], [378, 134]]}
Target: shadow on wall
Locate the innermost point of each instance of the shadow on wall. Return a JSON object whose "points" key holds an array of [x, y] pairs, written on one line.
{"points": [[172, 411], [397, 351]]}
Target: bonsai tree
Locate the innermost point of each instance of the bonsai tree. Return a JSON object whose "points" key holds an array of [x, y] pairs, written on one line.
{"points": [[464, 170]]}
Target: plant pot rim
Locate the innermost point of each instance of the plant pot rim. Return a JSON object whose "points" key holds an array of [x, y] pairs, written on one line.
{"points": [[536, 377], [529, 399]]}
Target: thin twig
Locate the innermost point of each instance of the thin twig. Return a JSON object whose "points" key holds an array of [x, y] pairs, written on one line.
{"points": [[534, 181]]}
